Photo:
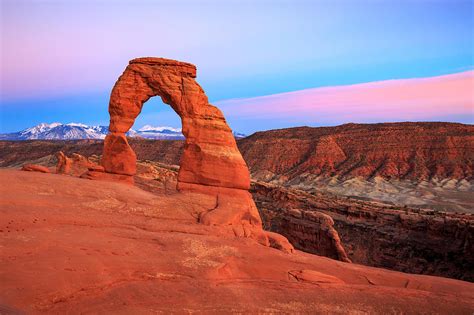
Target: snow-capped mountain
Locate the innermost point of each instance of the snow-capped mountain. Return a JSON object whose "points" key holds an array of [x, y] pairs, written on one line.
{"points": [[58, 131], [151, 132], [72, 131]]}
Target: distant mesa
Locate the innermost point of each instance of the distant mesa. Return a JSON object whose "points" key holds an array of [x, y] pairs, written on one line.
{"points": [[404, 151]]}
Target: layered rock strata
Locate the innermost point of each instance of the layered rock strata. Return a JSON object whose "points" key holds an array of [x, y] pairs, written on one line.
{"points": [[393, 151], [371, 233]]}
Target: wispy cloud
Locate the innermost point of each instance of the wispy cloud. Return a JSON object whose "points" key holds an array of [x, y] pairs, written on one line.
{"points": [[393, 100]]}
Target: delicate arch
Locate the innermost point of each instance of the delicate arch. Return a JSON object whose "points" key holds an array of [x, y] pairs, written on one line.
{"points": [[210, 156]]}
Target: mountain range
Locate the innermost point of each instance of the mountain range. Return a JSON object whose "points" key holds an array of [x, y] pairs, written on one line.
{"points": [[74, 131]]}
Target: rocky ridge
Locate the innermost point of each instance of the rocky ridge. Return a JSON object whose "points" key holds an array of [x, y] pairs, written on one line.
{"points": [[406, 151]]}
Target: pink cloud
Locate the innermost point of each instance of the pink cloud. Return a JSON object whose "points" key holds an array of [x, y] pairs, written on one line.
{"points": [[407, 99]]}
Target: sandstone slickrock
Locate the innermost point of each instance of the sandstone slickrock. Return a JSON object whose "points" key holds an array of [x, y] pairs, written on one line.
{"points": [[35, 168], [314, 277], [79, 246]]}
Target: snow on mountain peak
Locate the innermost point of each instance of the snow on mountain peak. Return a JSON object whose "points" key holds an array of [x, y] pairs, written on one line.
{"points": [[42, 127], [52, 125], [73, 124], [158, 129]]}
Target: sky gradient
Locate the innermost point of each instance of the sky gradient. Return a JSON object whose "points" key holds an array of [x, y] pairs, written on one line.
{"points": [[447, 97], [60, 59]]}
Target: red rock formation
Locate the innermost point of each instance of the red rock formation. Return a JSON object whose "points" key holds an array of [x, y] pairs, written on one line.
{"points": [[414, 151], [211, 162], [100, 174], [118, 157], [64, 163], [210, 155], [374, 234], [35, 168], [75, 165], [371, 233]]}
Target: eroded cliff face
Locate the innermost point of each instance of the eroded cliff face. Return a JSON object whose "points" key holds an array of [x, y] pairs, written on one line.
{"points": [[407, 151], [308, 230], [374, 234]]}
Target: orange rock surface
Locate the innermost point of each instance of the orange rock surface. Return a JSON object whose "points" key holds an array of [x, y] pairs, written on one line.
{"points": [[76, 246], [64, 163], [75, 165], [35, 168]]}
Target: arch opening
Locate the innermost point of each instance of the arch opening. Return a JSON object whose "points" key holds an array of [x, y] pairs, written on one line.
{"points": [[158, 120]]}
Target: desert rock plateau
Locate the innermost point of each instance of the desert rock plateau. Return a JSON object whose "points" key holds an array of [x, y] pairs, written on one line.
{"points": [[430, 218], [71, 244]]}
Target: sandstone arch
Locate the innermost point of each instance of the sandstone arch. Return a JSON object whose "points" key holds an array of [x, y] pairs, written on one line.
{"points": [[210, 157], [211, 163]]}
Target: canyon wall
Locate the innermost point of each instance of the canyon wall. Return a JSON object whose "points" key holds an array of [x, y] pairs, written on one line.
{"points": [[413, 151], [374, 234]]}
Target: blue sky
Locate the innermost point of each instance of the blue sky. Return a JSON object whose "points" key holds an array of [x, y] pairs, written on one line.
{"points": [[60, 59]]}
